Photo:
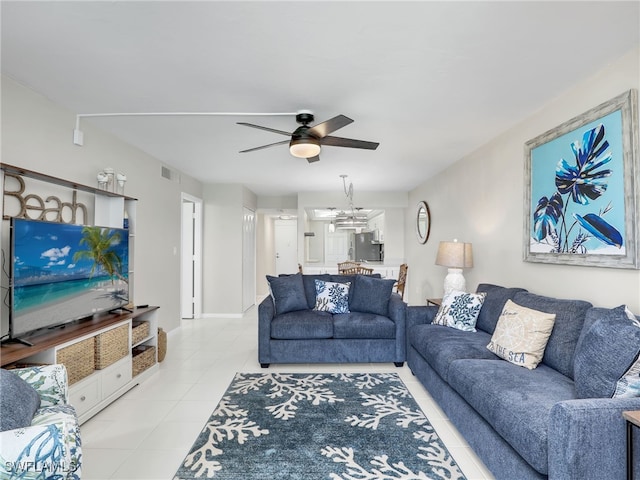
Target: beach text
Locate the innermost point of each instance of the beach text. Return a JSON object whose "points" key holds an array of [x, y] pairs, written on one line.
{"points": [[33, 207]]}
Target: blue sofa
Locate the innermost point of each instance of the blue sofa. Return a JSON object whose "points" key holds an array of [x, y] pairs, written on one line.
{"points": [[292, 328], [556, 421]]}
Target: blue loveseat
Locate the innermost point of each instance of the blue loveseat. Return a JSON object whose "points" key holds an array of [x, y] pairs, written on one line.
{"points": [[555, 421], [293, 328]]}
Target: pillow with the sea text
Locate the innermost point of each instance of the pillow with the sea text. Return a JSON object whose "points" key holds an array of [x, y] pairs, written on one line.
{"points": [[521, 335]]}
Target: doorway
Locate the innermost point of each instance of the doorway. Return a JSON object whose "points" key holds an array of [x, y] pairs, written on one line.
{"points": [[286, 243], [191, 257]]}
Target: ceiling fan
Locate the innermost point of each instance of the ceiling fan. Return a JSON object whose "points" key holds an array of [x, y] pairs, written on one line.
{"points": [[305, 141]]}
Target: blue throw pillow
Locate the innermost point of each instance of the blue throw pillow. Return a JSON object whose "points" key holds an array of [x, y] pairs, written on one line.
{"points": [[494, 301], [371, 295], [607, 359], [570, 314], [19, 401], [288, 293]]}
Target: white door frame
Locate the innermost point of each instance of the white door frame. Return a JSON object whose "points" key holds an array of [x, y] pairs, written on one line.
{"points": [[191, 255]]}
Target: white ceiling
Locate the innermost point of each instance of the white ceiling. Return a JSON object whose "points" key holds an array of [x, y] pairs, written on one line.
{"points": [[430, 81]]}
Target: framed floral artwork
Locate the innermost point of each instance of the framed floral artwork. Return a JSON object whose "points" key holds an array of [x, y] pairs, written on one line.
{"points": [[581, 189]]}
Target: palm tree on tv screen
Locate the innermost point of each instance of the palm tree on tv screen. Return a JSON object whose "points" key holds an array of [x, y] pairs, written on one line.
{"points": [[99, 244]]}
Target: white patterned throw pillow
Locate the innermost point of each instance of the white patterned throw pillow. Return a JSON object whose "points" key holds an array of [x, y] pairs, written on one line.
{"points": [[332, 297], [460, 310], [521, 335]]}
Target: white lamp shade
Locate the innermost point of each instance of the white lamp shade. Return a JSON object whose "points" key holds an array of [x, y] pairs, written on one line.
{"points": [[455, 255]]}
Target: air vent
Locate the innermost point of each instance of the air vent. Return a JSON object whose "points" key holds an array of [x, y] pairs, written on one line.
{"points": [[170, 175]]}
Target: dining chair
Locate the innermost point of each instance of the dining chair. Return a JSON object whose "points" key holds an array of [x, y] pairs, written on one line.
{"points": [[359, 270], [346, 265], [402, 279]]}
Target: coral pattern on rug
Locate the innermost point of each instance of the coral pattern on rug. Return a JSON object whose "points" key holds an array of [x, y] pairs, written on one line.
{"points": [[346, 426]]}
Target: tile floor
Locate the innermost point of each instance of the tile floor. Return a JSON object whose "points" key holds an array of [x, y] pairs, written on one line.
{"points": [[147, 432]]}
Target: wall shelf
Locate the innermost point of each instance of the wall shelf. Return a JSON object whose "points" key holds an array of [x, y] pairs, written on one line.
{"points": [[43, 177]]}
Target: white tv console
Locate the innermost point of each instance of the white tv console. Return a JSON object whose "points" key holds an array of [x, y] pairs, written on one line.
{"points": [[97, 390]]}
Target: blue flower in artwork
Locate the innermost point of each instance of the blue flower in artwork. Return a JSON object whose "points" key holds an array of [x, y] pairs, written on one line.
{"points": [[583, 180]]}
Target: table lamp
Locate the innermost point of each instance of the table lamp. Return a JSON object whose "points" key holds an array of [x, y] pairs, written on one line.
{"points": [[456, 256]]}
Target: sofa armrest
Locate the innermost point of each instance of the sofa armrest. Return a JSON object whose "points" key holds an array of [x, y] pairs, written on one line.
{"points": [[266, 312], [397, 309], [587, 438], [420, 315], [50, 381], [398, 313]]}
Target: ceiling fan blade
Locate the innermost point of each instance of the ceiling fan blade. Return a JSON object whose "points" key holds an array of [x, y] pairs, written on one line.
{"points": [[348, 142], [281, 132], [264, 146], [313, 159], [325, 128]]}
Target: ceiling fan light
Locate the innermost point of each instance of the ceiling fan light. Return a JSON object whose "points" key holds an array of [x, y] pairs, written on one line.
{"points": [[304, 147]]}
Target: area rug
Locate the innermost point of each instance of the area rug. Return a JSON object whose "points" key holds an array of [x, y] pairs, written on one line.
{"points": [[350, 426]]}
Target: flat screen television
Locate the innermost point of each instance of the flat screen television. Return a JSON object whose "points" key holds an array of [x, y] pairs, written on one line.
{"points": [[62, 272]]}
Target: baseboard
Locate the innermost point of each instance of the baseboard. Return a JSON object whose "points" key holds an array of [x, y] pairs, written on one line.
{"points": [[221, 315]]}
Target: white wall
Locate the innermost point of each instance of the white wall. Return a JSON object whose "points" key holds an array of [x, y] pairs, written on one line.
{"points": [[222, 250], [395, 232], [37, 135], [480, 200]]}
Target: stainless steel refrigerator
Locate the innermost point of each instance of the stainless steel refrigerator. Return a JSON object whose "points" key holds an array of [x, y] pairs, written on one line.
{"points": [[367, 248]]}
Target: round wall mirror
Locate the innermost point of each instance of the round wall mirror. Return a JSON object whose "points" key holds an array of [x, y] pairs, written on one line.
{"points": [[423, 222]]}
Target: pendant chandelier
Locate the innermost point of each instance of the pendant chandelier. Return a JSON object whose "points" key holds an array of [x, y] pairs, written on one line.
{"points": [[350, 219]]}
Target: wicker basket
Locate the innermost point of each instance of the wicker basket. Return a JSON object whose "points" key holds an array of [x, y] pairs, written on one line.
{"points": [[79, 359], [111, 346], [162, 344], [139, 331], [144, 356]]}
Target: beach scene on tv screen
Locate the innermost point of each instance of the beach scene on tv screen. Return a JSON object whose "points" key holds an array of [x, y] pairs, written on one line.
{"points": [[64, 272]]}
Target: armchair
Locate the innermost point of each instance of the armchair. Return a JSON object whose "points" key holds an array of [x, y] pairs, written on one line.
{"points": [[50, 447]]}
